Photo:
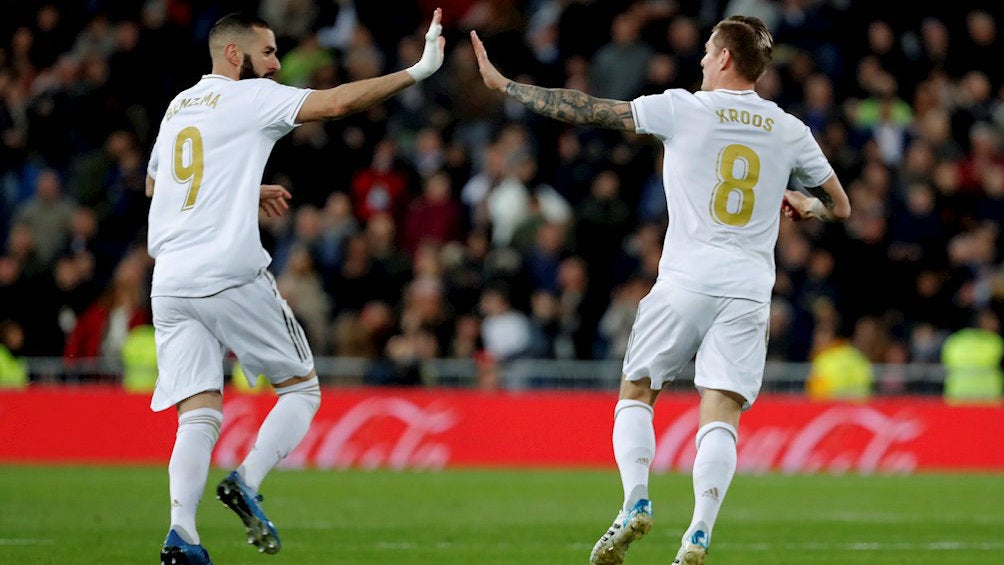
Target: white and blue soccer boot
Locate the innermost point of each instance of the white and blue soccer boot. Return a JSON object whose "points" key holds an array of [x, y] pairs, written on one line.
{"points": [[238, 497], [177, 551], [694, 550], [629, 526]]}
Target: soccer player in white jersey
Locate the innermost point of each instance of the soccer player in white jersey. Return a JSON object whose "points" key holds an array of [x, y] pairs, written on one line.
{"points": [[211, 288], [728, 158]]}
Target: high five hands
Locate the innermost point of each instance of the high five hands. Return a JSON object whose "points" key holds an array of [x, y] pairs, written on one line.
{"points": [[492, 77], [432, 56]]}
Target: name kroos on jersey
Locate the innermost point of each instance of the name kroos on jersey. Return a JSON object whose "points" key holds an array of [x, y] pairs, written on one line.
{"points": [[731, 115]]}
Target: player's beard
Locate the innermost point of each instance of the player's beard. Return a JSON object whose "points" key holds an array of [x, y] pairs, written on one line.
{"points": [[247, 70]]}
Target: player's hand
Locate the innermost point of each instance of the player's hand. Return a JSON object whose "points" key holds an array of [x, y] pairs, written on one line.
{"points": [[492, 77], [273, 199], [434, 53], [795, 205]]}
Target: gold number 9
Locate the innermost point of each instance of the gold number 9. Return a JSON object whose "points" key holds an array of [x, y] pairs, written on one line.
{"points": [[192, 172]]}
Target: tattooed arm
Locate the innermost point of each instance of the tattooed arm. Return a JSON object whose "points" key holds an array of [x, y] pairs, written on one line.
{"points": [[829, 202], [573, 106], [566, 105]]}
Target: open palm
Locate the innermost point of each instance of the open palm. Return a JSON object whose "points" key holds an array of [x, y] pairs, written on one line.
{"points": [[492, 77]]}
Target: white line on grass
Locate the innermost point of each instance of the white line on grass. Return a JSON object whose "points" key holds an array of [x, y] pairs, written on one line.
{"points": [[863, 546]]}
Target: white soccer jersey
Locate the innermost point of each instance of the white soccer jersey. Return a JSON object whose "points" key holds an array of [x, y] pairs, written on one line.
{"points": [[207, 164], [729, 156]]}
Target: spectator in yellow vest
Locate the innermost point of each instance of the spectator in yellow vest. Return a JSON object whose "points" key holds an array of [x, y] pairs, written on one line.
{"points": [[13, 370], [972, 360], [840, 372], [240, 382], [139, 360]]}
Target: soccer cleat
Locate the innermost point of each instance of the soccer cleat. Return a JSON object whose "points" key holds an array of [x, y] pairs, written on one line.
{"points": [[177, 551], [693, 550], [238, 497], [629, 526]]}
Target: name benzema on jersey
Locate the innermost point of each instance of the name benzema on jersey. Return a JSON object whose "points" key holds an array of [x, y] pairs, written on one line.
{"points": [[210, 99]]}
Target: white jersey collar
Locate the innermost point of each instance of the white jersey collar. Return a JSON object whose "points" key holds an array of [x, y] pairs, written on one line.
{"points": [[217, 76]]}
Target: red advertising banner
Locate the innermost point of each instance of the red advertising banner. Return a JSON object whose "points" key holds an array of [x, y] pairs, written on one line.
{"points": [[423, 428]]}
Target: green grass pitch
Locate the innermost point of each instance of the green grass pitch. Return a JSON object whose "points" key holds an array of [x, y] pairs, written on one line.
{"points": [[118, 515]]}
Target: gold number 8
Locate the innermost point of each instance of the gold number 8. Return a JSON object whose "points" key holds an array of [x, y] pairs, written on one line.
{"points": [[729, 184], [192, 172]]}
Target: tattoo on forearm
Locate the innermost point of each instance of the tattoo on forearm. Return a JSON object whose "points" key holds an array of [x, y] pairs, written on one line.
{"points": [[823, 196], [573, 106]]}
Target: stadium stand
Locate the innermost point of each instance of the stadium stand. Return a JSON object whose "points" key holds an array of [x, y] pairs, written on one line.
{"points": [[404, 215]]}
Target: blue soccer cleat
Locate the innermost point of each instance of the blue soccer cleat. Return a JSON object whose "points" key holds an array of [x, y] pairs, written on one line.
{"points": [[629, 526], [238, 497], [694, 550], [177, 551]]}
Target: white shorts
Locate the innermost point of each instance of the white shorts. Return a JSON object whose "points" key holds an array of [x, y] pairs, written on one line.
{"points": [[728, 335], [194, 334]]}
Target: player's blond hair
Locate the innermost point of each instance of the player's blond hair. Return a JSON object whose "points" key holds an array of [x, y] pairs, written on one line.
{"points": [[749, 41]]}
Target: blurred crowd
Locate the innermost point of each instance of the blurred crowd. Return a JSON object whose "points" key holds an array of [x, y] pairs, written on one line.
{"points": [[450, 222]]}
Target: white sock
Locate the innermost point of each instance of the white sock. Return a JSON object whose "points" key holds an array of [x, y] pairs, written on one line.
{"points": [[189, 467], [282, 430], [714, 466], [634, 447]]}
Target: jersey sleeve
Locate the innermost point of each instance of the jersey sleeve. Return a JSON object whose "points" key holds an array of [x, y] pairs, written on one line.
{"points": [[811, 166], [151, 166], [655, 114], [278, 105]]}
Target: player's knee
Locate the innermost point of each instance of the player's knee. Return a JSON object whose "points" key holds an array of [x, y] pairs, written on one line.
{"points": [[307, 392], [204, 420], [710, 427], [625, 403], [640, 390]]}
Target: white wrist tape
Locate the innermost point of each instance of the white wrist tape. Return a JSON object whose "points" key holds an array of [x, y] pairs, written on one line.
{"points": [[432, 56], [818, 210]]}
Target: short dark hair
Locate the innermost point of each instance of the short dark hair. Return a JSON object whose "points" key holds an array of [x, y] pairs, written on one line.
{"points": [[749, 41], [236, 23]]}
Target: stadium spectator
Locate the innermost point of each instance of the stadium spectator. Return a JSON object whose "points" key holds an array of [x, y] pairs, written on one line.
{"points": [[506, 332], [840, 371], [383, 187], [104, 325], [391, 260], [615, 325], [433, 217], [301, 285], [364, 334], [686, 312], [973, 357], [618, 69], [47, 215], [13, 367]]}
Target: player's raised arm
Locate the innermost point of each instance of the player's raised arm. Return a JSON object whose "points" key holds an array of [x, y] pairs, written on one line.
{"points": [[356, 96], [563, 104]]}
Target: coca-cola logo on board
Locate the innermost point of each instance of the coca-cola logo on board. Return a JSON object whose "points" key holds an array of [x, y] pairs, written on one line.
{"points": [[377, 432], [839, 439]]}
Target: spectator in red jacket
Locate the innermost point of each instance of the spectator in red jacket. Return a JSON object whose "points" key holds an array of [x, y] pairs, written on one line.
{"points": [[104, 325], [433, 217]]}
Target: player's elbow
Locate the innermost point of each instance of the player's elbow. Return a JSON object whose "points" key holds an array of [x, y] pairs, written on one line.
{"points": [[842, 211], [335, 107], [323, 105]]}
